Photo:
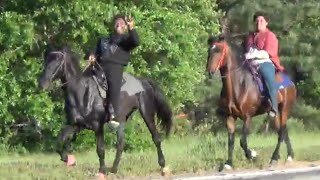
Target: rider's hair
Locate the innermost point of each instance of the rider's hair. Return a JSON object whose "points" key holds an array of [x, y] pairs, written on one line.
{"points": [[119, 16], [260, 13]]}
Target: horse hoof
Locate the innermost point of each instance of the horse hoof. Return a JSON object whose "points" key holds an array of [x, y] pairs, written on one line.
{"points": [[227, 167], [165, 171], [289, 159], [114, 170], [101, 176], [253, 153], [71, 161], [273, 163]]}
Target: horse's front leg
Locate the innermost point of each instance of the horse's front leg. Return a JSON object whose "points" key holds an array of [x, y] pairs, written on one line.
{"points": [[243, 141], [65, 138], [101, 151], [231, 127]]}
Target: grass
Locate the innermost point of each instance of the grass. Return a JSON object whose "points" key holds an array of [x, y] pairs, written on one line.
{"points": [[188, 154]]}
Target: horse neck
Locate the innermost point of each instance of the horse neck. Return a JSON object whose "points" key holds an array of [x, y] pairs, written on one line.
{"points": [[71, 74], [230, 76]]}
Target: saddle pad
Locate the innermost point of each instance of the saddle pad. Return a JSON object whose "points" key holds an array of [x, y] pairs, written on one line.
{"points": [[130, 84], [286, 81]]}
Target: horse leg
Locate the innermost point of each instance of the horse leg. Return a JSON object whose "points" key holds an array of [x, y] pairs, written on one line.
{"points": [[243, 141], [281, 131], [289, 146], [284, 117], [66, 136], [120, 147], [148, 114], [126, 109], [231, 127], [101, 150]]}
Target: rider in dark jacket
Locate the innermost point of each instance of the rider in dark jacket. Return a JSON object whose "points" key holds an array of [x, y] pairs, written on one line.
{"points": [[113, 53]]}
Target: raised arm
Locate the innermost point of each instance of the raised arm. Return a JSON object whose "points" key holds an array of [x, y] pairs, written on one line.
{"points": [[133, 40]]}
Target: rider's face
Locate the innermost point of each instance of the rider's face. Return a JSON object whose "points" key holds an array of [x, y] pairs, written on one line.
{"points": [[120, 26], [261, 23]]}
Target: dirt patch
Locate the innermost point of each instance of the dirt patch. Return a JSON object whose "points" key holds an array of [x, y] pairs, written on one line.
{"points": [[297, 164]]}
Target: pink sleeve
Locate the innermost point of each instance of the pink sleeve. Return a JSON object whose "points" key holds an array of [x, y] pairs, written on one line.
{"points": [[271, 45]]}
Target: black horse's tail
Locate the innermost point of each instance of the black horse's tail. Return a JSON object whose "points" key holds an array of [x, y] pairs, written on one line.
{"points": [[163, 109]]}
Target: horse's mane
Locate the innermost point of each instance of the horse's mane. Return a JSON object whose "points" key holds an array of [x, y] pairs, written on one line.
{"points": [[72, 58], [238, 53], [236, 49]]}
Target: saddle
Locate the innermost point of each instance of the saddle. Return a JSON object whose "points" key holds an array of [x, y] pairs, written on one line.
{"points": [[100, 78]]}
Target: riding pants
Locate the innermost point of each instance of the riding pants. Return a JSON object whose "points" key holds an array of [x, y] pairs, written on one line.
{"points": [[114, 74], [267, 71]]}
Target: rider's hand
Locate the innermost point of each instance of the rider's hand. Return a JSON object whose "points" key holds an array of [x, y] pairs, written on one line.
{"points": [[92, 59], [250, 55], [130, 22], [281, 68]]}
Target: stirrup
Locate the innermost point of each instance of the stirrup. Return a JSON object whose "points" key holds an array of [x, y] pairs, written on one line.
{"points": [[272, 114], [113, 125]]}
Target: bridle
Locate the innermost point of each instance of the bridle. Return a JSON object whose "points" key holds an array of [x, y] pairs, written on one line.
{"points": [[62, 63], [223, 45]]}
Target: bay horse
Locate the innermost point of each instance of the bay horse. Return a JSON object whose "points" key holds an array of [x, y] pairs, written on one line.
{"points": [[84, 107], [241, 98]]}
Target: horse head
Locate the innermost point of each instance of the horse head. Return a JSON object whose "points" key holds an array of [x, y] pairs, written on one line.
{"points": [[54, 66], [217, 54]]}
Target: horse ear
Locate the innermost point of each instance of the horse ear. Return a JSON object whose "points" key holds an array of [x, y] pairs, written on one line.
{"points": [[66, 49], [88, 53], [211, 40], [49, 48], [221, 37]]}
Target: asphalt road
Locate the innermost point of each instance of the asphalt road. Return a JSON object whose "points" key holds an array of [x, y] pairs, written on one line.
{"points": [[310, 173]]}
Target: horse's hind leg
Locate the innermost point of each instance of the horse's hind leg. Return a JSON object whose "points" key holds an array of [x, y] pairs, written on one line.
{"points": [[120, 147], [147, 111], [126, 109], [243, 141], [101, 150], [281, 128], [66, 136], [284, 117], [281, 125]]}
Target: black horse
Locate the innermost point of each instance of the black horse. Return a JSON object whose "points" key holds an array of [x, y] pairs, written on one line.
{"points": [[84, 107]]}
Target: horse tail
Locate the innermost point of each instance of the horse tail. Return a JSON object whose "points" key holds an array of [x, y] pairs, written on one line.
{"points": [[163, 108]]}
